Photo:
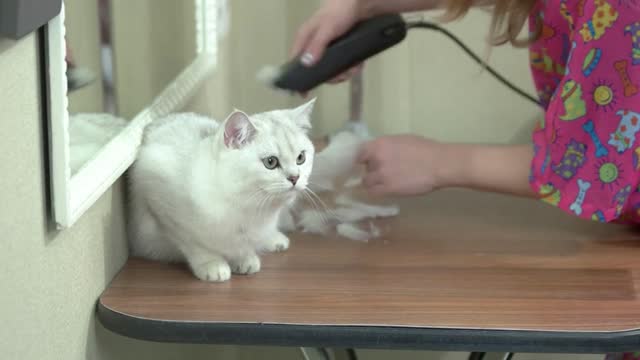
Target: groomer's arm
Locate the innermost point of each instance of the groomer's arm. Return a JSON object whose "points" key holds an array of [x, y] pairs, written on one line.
{"points": [[413, 165], [336, 17]]}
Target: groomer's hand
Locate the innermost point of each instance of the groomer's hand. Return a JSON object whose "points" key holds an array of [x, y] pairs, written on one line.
{"points": [[402, 165], [333, 19]]}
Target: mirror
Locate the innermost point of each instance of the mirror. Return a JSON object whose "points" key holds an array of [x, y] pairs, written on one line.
{"points": [[93, 115], [115, 66], [119, 56]]}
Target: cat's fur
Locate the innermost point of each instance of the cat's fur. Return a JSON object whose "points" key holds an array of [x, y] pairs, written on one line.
{"points": [[202, 193]]}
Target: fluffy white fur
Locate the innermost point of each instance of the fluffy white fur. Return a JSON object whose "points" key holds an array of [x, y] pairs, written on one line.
{"points": [[335, 161], [202, 191], [353, 232]]}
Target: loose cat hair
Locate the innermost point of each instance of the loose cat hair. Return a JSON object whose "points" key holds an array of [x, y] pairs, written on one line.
{"points": [[211, 193], [333, 208]]}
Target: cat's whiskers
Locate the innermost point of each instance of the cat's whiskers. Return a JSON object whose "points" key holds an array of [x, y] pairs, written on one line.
{"points": [[251, 197], [311, 201], [321, 209], [329, 211], [267, 199], [262, 204], [321, 187], [254, 201], [316, 208]]}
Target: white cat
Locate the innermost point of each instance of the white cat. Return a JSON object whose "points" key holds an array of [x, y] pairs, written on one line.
{"points": [[211, 194]]}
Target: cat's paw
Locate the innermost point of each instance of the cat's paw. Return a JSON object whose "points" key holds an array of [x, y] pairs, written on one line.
{"points": [[277, 242], [215, 270], [247, 265]]}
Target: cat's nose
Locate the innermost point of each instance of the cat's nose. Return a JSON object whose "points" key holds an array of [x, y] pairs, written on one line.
{"points": [[293, 179]]}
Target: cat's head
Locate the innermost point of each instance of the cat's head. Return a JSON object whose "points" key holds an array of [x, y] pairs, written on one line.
{"points": [[271, 152]]}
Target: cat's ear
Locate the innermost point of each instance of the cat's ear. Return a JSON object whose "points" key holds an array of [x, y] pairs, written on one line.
{"points": [[302, 114], [238, 130]]}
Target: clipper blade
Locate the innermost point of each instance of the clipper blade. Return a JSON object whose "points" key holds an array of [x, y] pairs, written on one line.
{"points": [[269, 75]]}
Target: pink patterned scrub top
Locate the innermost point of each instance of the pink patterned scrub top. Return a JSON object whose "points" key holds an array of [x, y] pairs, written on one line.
{"points": [[586, 68]]}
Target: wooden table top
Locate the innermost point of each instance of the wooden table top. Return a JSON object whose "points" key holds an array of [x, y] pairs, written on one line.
{"points": [[493, 270]]}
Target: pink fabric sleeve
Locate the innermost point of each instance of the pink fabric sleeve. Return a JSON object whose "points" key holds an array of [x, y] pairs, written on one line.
{"points": [[586, 149]]}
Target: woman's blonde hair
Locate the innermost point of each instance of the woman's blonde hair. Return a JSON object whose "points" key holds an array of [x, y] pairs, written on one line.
{"points": [[508, 18]]}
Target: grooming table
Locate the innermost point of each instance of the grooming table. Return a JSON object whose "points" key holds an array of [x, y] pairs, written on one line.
{"points": [[456, 270]]}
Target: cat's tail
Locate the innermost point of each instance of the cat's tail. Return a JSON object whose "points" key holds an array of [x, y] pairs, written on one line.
{"points": [[336, 161]]}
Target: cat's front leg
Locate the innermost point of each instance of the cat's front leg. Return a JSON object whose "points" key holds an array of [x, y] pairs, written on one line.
{"points": [[274, 241], [286, 223], [209, 267]]}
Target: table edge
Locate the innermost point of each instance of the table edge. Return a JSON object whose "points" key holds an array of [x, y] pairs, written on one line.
{"points": [[367, 337]]}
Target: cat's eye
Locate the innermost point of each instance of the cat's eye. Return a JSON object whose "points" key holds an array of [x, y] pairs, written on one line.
{"points": [[271, 162], [301, 158]]}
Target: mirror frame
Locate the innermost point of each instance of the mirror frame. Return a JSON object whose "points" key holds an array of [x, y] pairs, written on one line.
{"points": [[73, 195]]}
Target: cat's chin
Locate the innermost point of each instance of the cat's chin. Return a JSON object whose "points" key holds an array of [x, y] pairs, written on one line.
{"points": [[287, 197], [290, 195]]}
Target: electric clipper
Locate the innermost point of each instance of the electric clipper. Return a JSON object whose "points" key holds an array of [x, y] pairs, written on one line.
{"points": [[364, 40]]}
